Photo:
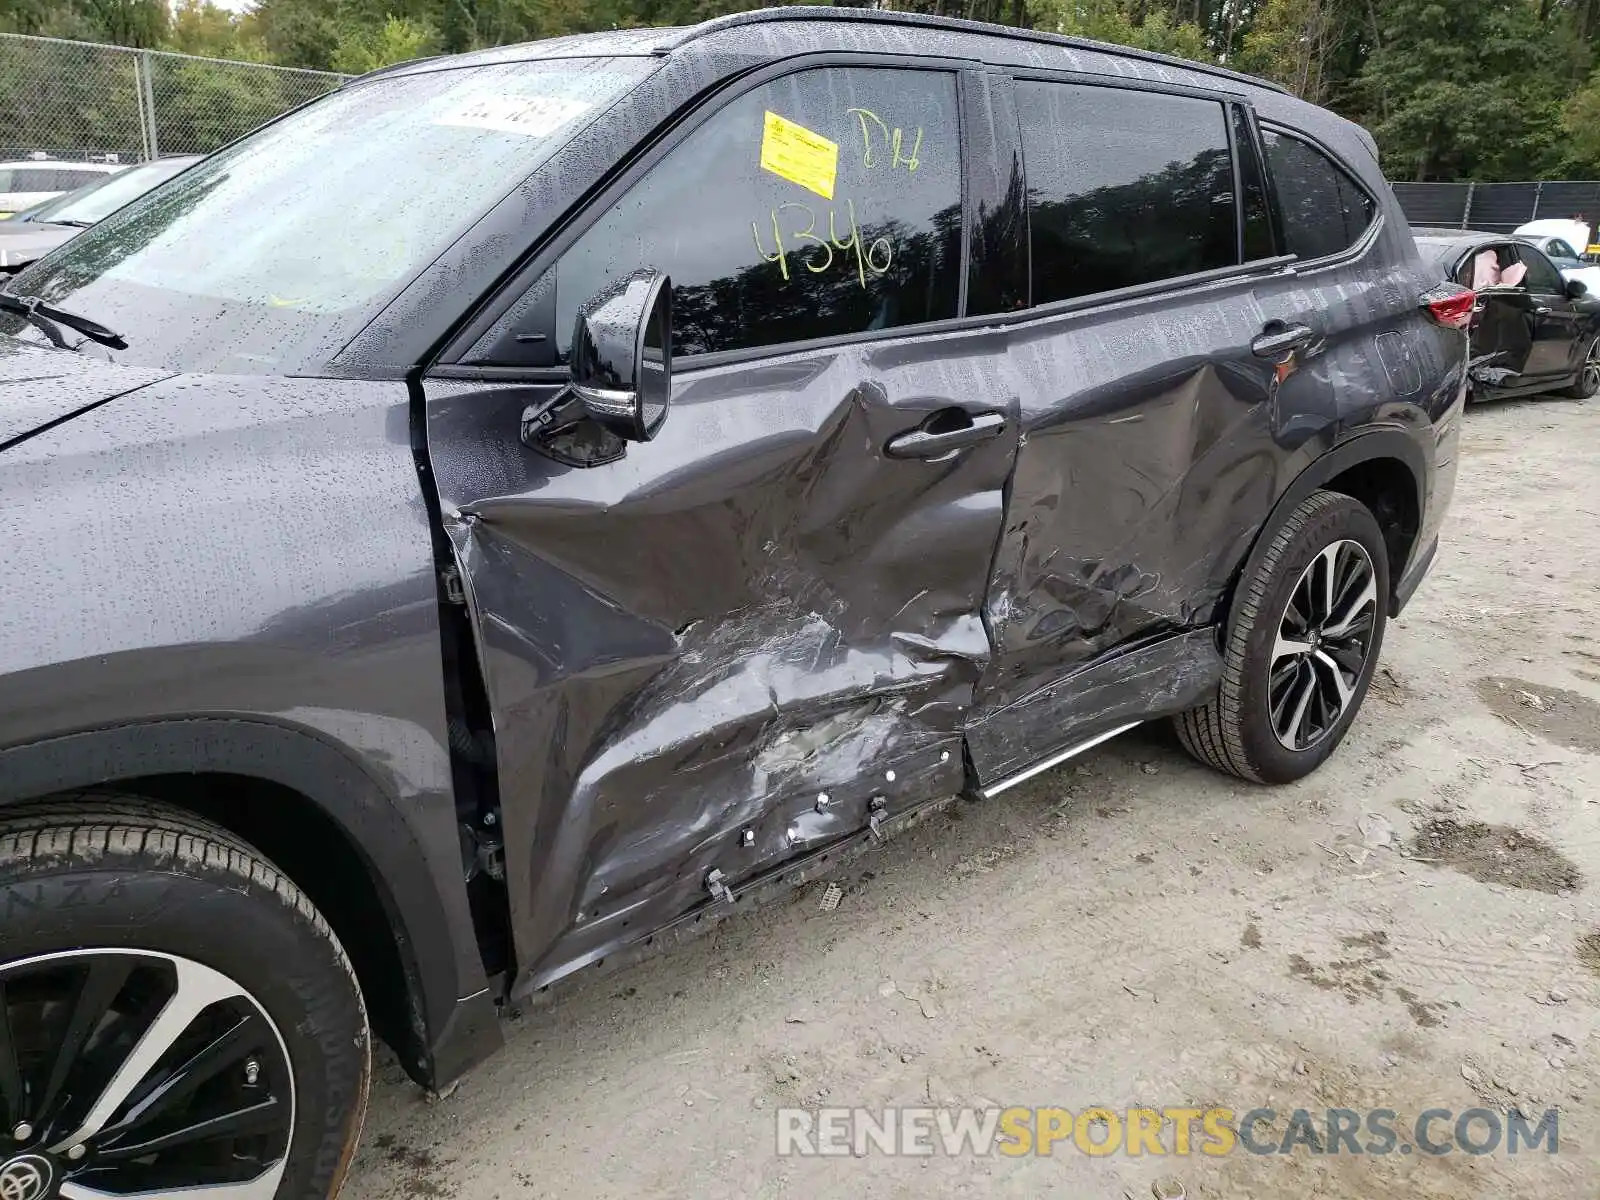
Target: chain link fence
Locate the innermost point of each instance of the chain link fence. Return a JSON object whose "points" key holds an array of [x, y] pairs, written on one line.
{"points": [[1497, 207], [77, 100]]}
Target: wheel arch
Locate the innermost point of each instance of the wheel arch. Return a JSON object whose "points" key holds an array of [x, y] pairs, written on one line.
{"points": [[308, 806], [1385, 469]]}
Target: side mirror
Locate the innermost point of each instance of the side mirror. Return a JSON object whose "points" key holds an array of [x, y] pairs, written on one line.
{"points": [[1577, 289], [622, 356]]}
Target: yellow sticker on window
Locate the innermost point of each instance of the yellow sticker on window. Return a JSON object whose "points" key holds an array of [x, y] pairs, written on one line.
{"points": [[795, 153]]}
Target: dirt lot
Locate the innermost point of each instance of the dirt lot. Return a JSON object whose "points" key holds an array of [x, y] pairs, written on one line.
{"points": [[1416, 926]]}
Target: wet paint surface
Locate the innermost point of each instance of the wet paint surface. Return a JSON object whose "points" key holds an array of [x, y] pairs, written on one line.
{"points": [[247, 561], [39, 386], [746, 640], [716, 653], [1154, 446], [687, 648]]}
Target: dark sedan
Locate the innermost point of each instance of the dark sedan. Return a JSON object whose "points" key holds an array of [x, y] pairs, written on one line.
{"points": [[1532, 330], [32, 234]]}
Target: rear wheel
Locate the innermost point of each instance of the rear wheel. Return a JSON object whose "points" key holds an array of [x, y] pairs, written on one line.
{"points": [[175, 1017], [1588, 382], [1303, 641]]}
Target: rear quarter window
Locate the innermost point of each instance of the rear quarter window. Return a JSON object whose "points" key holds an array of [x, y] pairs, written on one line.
{"points": [[1324, 210]]}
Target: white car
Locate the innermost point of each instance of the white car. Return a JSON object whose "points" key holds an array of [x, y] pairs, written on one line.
{"points": [[1564, 243], [33, 181]]}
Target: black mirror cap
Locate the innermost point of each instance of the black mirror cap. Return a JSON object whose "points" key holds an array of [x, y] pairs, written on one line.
{"points": [[1577, 289], [622, 355]]}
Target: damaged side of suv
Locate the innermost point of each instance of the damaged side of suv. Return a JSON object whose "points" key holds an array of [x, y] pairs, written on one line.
{"points": [[519, 504]]}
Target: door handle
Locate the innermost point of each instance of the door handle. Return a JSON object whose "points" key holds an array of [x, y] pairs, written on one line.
{"points": [[1277, 338], [1541, 310], [934, 438]]}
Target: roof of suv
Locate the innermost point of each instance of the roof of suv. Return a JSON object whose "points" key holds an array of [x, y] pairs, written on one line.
{"points": [[623, 42]]}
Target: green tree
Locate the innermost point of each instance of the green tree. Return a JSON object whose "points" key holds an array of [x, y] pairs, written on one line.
{"points": [[1580, 123], [1462, 90], [1112, 21], [201, 28], [1298, 43], [362, 48], [141, 23], [124, 22]]}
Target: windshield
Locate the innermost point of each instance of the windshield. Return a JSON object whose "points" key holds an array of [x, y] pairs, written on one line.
{"points": [[271, 254], [102, 198]]}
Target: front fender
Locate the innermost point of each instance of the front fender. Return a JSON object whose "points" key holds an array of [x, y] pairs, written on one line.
{"points": [[453, 1015], [237, 574]]}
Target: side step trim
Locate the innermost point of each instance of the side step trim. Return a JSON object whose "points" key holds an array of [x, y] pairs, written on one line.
{"points": [[1055, 760]]}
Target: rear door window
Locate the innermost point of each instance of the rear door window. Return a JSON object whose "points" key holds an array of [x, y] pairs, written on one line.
{"points": [[1324, 210], [822, 204], [1124, 187]]}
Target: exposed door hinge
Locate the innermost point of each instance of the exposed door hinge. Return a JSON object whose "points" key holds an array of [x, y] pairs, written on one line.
{"points": [[483, 849], [450, 580]]}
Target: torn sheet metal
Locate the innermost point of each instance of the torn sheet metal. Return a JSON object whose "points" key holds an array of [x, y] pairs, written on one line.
{"points": [[1492, 376], [1489, 370], [734, 646]]}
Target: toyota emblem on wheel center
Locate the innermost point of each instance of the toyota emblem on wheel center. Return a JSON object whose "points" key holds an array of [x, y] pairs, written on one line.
{"points": [[25, 1178]]}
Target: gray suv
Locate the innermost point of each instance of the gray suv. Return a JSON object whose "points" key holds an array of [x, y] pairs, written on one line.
{"points": [[520, 506]]}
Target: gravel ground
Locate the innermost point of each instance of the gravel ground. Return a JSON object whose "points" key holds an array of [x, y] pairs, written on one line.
{"points": [[1415, 926]]}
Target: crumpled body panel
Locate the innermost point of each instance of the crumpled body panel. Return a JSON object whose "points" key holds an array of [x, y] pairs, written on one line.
{"points": [[1154, 444], [1146, 455], [730, 648], [742, 641]]}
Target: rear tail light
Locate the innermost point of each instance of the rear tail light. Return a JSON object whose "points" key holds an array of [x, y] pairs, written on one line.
{"points": [[1450, 306]]}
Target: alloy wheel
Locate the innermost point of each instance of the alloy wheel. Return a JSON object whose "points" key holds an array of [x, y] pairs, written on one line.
{"points": [[1322, 644], [128, 1073], [1591, 369]]}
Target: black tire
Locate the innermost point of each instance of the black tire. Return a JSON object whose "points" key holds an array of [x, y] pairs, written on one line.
{"points": [[1587, 383], [114, 873], [1233, 732]]}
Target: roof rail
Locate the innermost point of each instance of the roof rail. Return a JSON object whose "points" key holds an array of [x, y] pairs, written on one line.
{"points": [[763, 16], [376, 71]]}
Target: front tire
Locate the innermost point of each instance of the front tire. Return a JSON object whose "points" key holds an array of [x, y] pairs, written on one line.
{"points": [[1303, 641], [181, 1018]]}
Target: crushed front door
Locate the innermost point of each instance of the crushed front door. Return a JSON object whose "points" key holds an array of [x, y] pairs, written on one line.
{"points": [[758, 633]]}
